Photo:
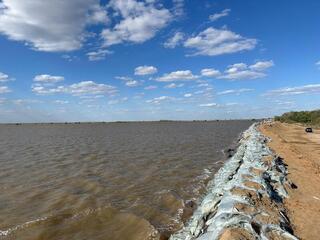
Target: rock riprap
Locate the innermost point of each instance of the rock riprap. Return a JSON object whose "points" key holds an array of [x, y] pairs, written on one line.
{"points": [[245, 198]]}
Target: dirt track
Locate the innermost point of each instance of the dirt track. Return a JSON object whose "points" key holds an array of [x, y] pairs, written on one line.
{"points": [[301, 151]]}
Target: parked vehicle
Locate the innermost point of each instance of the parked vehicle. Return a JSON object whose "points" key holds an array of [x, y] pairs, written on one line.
{"points": [[309, 130]]}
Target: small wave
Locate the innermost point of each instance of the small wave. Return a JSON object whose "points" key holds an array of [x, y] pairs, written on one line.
{"points": [[104, 219], [22, 226]]}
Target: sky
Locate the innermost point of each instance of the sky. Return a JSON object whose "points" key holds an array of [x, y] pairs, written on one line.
{"points": [[134, 60]]}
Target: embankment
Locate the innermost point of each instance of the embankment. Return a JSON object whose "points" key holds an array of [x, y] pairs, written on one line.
{"points": [[301, 152], [246, 198]]}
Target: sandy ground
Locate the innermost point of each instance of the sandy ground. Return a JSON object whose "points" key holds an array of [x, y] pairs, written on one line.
{"points": [[301, 151]]}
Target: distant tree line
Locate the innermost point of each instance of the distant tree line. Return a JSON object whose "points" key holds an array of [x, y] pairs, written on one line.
{"points": [[305, 117]]}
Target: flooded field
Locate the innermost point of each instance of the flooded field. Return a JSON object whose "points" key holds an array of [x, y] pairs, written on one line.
{"points": [[107, 181]]}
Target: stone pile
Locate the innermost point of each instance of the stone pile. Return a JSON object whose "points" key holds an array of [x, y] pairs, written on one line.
{"points": [[245, 199]]}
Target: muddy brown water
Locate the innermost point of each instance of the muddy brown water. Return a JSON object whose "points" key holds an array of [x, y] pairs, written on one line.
{"points": [[106, 181]]}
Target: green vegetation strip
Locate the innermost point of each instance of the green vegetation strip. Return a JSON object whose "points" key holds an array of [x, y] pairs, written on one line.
{"points": [[304, 117]]}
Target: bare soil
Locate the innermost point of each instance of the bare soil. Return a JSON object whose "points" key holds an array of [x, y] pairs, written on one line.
{"points": [[301, 152]]}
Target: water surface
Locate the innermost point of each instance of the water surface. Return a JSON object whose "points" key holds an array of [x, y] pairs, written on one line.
{"points": [[106, 181]]}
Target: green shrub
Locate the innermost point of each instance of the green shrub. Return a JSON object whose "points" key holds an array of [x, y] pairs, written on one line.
{"points": [[305, 117]]}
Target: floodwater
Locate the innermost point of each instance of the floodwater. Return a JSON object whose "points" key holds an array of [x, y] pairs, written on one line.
{"points": [[112, 181]]}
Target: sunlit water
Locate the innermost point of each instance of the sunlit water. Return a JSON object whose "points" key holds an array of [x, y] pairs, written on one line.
{"points": [[106, 181]]}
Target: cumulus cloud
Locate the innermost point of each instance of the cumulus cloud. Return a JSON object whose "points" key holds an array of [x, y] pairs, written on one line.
{"points": [[210, 72], [50, 25], [318, 64], [132, 83], [240, 71], [4, 89], [129, 82], [91, 88], [139, 21], [159, 100], [305, 89], [262, 65], [46, 78], [77, 89], [174, 41], [185, 75], [213, 42], [145, 70], [98, 55], [209, 105], [174, 85], [4, 77], [216, 16], [235, 91], [187, 95]]}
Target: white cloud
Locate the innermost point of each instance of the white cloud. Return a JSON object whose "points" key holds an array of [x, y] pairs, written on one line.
{"points": [[213, 42], [306, 89], [235, 91], [91, 88], [210, 72], [240, 71], [174, 41], [208, 105], [187, 95], [98, 55], [174, 85], [216, 16], [46, 78], [185, 75], [203, 85], [129, 82], [145, 70], [261, 65], [132, 83], [158, 100], [43, 90], [318, 64], [4, 89], [69, 58], [77, 89], [50, 25], [123, 78], [151, 87], [4, 77], [245, 74], [140, 21]]}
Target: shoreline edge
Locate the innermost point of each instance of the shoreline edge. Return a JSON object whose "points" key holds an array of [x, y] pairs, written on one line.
{"points": [[245, 198]]}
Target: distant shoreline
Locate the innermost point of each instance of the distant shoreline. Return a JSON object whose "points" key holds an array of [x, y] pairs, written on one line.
{"points": [[105, 122]]}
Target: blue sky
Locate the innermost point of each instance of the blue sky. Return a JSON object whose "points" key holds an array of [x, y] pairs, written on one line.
{"points": [[90, 60]]}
